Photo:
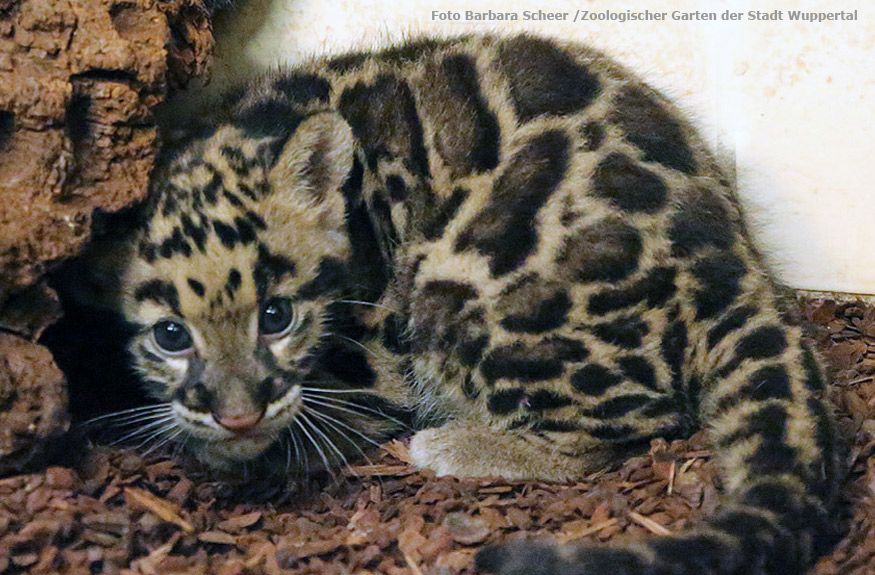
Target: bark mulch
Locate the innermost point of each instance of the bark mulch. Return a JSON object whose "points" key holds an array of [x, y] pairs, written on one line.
{"points": [[117, 511]]}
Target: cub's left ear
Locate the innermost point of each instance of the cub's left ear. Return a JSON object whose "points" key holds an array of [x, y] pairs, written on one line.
{"points": [[316, 159]]}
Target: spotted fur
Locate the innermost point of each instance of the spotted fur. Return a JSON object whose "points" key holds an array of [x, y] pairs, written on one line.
{"points": [[513, 241]]}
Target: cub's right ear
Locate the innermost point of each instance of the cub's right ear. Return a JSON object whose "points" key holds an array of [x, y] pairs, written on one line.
{"points": [[316, 159]]}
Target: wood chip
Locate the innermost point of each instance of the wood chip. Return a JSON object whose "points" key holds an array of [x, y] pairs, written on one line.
{"points": [[217, 537], [648, 524], [240, 522], [160, 507], [581, 528], [465, 529]]}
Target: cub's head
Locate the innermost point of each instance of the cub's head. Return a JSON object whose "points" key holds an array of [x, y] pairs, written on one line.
{"points": [[234, 283]]}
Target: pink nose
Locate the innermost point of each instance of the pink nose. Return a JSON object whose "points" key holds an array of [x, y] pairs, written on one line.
{"points": [[238, 422]]}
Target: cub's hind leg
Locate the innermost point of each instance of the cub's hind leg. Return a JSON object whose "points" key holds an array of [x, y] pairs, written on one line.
{"points": [[467, 448], [557, 406]]}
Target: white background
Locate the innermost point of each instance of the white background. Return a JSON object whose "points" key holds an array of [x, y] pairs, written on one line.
{"points": [[789, 105]]}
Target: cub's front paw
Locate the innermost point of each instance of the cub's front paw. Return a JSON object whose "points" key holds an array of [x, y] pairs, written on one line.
{"points": [[472, 450], [430, 449], [464, 451]]}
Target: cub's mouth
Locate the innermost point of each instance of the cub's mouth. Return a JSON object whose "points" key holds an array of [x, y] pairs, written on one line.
{"points": [[242, 425]]}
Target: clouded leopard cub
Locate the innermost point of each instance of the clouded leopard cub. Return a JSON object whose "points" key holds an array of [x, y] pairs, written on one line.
{"points": [[512, 240]]}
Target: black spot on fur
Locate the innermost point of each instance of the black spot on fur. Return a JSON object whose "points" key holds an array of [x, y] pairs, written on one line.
{"points": [[564, 349], [773, 457], [606, 251], [233, 283], [268, 119], [638, 369], [397, 188], [256, 220], [169, 205], [462, 79], [175, 244], [148, 251], [594, 379], [544, 399], [618, 406], [547, 315], [652, 129], [447, 211], [232, 199], [471, 350], [701, 220], [270, 268], [769, 423], [662, 406], [449, 294], [372, 272], [770, 382], [348, 365], [504, 230], [594, 134], [239, 162], [393, 334], [826, 468], [245, 230], [656, 288], [197, 287], [720, 276], [303, 88], [519, 363], [544, 79], [612, 432], [385, 121], [553, 425], [331, 277], [627, 185], [762, 343], [813, 375], [159, 291], [674, 348], [227, 234], [732, 321], [347, 62], [211, 189], [625, 332], [505, 401]]}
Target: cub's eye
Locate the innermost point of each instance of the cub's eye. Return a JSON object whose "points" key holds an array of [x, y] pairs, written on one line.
{"points": [[276, 316], [172, 336]]}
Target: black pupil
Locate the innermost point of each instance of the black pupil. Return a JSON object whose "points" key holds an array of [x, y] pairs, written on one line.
{"points": [[276, 316], [172, 336]]}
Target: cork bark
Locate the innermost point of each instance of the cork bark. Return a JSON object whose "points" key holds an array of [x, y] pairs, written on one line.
{"points": [[79, 80]]}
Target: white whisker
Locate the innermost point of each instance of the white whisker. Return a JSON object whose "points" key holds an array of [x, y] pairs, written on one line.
{"points": [[164, 442], [148, 428], [319, 450], [338, 404], [341, 457], [367, 303], [332, 421], [127, 414], [337, 390], [358, 343]]}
